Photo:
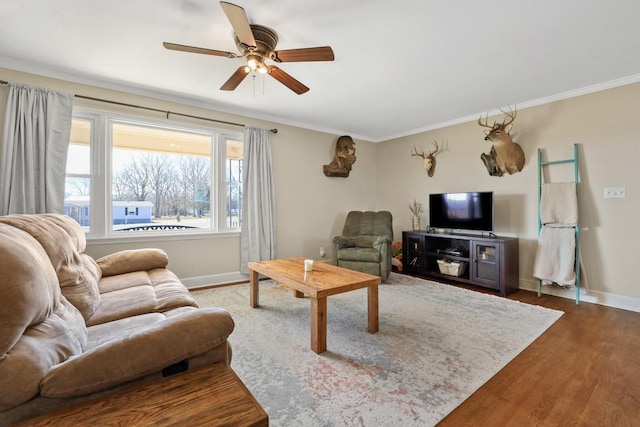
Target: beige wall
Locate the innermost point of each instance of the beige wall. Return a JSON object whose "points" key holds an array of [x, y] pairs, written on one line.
{"points": [[605, 126], [311, 207]]}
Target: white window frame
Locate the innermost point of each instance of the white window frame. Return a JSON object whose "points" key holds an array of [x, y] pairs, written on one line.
{"points": [[101, 177]]}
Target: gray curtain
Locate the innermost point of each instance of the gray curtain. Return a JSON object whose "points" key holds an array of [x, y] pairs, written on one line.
{"points": [[33, 158], [258, 230]]}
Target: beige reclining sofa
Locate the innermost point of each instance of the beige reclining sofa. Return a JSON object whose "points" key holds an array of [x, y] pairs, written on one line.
{"points": [[73, 329]]}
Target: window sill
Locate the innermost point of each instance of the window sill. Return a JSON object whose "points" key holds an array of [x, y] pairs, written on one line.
{"points": [[159, 237]]}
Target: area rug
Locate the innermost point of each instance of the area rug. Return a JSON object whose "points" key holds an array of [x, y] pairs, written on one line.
{"points": [[437, 344]]}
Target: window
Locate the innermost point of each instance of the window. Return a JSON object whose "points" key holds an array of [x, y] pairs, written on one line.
{"points": [[161, 177], [78, 174], [233, 183]]}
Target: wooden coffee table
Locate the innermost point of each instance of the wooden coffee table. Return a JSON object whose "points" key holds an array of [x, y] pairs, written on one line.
{"points": [[323, 281]]}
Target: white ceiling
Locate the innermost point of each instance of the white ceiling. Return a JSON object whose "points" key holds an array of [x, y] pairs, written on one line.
{"points": [[401, 66]]}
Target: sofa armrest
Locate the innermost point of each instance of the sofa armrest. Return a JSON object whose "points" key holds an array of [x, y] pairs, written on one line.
{"points": [[138, 354], [133, 260]]}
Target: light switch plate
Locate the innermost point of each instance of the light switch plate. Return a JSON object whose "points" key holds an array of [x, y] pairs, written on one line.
{"points": [[614, 193]]}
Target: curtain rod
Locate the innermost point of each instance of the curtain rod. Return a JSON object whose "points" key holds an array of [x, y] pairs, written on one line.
{"points": [[167, 112]]}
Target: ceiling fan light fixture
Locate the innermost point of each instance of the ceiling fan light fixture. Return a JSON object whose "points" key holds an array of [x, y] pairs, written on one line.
{"points": [[253, 61], [255, 64]]}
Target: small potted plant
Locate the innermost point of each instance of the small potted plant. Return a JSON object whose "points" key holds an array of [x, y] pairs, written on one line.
{"points": [[416, 209]]}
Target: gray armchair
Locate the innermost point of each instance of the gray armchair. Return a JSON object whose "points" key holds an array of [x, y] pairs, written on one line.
{"points": [[365, 244]]}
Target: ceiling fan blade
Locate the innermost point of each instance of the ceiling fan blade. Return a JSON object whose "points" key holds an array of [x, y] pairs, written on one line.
{"points": [[324, 53], [192, 49], [235, 79], [287, 80], [240, 23]]}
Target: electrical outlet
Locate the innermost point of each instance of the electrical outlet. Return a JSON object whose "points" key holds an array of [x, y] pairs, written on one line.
{"points": [[614, 193], [322, 252]]}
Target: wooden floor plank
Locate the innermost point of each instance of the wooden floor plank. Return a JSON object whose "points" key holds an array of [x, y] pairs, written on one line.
{"points": [[582, 371]]}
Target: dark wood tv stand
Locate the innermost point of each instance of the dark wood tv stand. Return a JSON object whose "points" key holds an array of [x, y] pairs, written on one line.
{"points": [[490, 262]]}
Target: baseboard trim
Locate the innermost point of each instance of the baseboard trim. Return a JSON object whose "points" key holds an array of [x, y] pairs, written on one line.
{"points": [[215, 280], [595, 297]]}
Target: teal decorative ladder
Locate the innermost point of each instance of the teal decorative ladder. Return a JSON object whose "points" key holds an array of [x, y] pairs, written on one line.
{"points": [[541, 164]]}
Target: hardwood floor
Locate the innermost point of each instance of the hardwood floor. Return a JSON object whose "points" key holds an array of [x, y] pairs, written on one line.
{"points": [[583, 371]]}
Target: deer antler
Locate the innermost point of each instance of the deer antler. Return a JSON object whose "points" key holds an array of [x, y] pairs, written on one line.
{"points": [[511, 115], [435, 143], [415, 153], [486, 120]]}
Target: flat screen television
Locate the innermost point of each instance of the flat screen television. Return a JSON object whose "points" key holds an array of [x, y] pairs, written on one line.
{"points": [[462, 211]]}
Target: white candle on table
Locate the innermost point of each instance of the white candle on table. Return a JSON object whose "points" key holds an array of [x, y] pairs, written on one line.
{"points": [[308, 265]]}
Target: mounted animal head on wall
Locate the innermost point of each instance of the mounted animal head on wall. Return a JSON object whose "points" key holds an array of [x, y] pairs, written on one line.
{"points": [[505, 156], [344, 158], [429, 159]]}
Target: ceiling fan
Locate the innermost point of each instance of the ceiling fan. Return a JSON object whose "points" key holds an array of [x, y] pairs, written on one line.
{"points": [[257, 43]]}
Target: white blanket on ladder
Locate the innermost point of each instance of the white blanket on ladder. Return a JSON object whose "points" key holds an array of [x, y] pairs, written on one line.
{"points": [[559, 203], [556, 253], [555, 257]]}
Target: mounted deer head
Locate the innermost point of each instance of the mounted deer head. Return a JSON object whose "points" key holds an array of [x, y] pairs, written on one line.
{"points": [[429, 159], [505, 154]]}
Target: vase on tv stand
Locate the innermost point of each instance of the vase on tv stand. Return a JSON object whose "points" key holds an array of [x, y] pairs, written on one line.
{"points": [[415, 223], [416, 209]]}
